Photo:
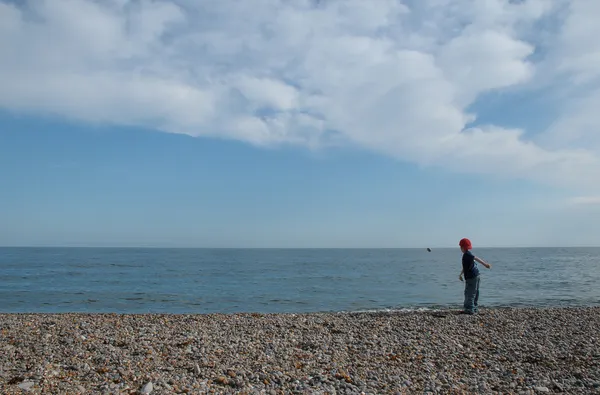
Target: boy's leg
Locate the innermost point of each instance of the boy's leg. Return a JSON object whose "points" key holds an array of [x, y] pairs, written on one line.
{"points": [[475, 302], [470, 290], [466, 301]]}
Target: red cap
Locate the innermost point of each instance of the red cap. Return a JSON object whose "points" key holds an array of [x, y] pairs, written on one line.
{"points": [[465, 243]]}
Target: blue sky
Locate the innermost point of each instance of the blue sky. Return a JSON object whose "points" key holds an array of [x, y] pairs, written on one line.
{"points": [[395, 126], [72, 184]]}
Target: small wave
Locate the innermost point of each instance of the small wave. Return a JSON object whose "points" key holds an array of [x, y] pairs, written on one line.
{"points": [[396, 310], [124, 265]]}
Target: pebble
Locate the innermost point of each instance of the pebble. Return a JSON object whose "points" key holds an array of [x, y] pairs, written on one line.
{"points": [[147, 388], [507, 351], [26, 385]]}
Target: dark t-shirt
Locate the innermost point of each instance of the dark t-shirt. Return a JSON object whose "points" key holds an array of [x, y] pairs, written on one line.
{"points": [[469, 265]]}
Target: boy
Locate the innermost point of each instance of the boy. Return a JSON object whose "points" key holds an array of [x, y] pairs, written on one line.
{"points": [[471, 272]]}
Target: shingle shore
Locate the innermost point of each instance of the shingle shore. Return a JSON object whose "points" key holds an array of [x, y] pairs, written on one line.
{"points": [[499, 351]]}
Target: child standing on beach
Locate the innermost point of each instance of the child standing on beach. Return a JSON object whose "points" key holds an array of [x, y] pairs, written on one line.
{"points": [[471, 272]]}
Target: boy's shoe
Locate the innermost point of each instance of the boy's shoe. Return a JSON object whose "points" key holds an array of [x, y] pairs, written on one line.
{"points": [[467, 312]]}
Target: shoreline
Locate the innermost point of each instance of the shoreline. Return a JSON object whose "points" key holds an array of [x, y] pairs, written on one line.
{"points": [[392, 311], [501, 350]]}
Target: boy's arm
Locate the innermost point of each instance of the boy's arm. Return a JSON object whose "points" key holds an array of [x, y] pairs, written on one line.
{"points": [[484, 263], [460, 275]]}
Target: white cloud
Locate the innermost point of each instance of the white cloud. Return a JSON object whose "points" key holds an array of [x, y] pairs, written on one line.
{"points": [[579, 45], [393, 76], [268, 93], [484, 60]]}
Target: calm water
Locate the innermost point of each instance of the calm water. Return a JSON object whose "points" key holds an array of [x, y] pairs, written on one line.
{"points": [[131, 280]]}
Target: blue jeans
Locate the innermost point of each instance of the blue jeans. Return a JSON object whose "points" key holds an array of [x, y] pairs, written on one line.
{"points": [[471, 295]]}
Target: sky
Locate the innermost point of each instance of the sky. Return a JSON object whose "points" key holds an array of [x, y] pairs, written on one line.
{"points": [[299, 123]]}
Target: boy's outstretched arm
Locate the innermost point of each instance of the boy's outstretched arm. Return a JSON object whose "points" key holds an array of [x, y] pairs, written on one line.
{"points": [[484, 263]]}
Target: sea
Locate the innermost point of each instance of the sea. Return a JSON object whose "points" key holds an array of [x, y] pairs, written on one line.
{"points": [[154, 280]]}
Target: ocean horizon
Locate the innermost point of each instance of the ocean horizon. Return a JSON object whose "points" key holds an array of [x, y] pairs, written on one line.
{"points": [[287, 280]]}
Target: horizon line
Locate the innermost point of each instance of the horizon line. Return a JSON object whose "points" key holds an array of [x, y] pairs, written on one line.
{"points": [[281, 248]]}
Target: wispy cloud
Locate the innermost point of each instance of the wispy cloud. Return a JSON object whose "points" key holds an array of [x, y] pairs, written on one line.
{"points": [[586, 201], [391, 76]]}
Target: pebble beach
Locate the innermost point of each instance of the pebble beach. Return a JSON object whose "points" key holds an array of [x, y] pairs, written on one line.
{"points": [[508, 351]]}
